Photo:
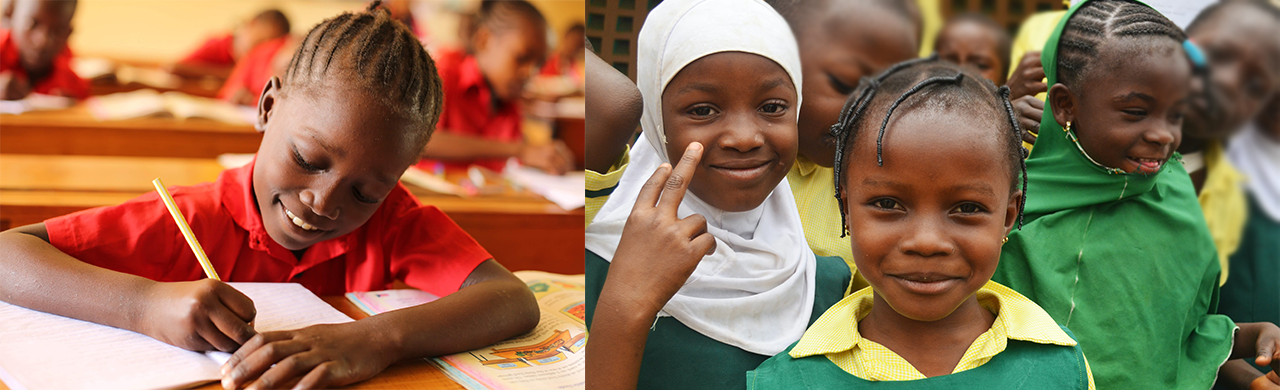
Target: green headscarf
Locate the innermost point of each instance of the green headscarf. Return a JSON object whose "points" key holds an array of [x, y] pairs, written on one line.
{"points": [[1123, 260]]}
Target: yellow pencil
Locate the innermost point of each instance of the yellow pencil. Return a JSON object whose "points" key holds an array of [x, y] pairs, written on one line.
{"points": [[186, 230]]}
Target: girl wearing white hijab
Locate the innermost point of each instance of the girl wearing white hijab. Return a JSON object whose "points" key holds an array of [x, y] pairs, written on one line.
{"points": [[723, 75]]}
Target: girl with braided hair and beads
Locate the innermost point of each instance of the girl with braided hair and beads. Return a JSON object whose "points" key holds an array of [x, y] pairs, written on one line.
{"points": [[1115, 246], [927, 209], [320, 205]]}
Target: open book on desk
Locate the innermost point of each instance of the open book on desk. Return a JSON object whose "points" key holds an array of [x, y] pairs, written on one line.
{"points": [[551, 356], [45, 351]]}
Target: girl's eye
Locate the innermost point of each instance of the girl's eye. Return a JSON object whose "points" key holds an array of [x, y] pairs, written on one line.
{"points": [[1135, 112], [360, 197], [969, 208], [842, 88], [700, 111], [773, 108], [885, 203], [303, 163]]}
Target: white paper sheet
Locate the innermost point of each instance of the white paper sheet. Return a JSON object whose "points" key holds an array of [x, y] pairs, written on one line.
{"points": [[46, 351]]}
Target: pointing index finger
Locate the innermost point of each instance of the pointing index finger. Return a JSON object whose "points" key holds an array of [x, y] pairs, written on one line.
{"points": [[676, 185]]}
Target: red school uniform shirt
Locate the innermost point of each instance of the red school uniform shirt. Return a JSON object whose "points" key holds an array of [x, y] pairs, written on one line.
{"points": [[61, 80], [471, 109], [402, 240], [214, 51], [253, 71]]}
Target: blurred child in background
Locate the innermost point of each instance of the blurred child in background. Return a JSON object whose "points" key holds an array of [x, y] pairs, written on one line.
{"points": [[217, 55], [34, 57], [481, 123], [977, 42]]}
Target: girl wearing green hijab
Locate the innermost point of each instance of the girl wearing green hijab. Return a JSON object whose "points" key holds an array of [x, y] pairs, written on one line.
{"points": [[1115, 245]]}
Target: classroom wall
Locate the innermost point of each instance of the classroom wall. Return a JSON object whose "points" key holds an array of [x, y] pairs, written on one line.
{"points": [[165, 30]]}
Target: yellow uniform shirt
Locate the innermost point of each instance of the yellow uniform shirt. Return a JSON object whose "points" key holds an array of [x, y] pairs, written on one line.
{"points": [[1017, 318], [931, 16], [1223, 201], [815, 191], [600, 186]]}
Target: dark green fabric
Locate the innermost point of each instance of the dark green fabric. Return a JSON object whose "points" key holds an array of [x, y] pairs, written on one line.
{"points": [[1124, 260], [676, 357], [1252, 292], [1022, 365]]}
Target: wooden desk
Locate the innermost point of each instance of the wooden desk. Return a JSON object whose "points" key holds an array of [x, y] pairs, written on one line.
{"points": [[409, 374], [522, 231], [74, 131]]}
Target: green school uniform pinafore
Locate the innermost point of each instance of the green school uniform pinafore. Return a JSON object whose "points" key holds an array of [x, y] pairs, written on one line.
{"points": [[676, 357]]}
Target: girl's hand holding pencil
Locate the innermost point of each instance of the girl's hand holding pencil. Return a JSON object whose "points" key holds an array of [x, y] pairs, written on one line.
{"points": [[201, 315]]}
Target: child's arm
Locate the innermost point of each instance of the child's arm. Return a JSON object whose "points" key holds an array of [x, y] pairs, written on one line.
{"points": [[200, 315], [615, 108], [491, 306], [1257, 340], [198, 70], [655, 257], [554, 158], [13, 87]]}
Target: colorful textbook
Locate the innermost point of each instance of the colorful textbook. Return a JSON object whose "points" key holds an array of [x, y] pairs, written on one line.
{"points": [[46, 351], [551, 356]]}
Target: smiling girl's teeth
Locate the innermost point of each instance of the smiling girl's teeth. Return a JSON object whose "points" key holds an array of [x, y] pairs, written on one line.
{"points": [[298, 221]]}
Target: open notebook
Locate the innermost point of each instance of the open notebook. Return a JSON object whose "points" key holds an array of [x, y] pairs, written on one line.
{"points": [[46, 351]]}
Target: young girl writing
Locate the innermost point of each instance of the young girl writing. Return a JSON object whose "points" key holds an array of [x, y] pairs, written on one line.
{"points": [[320, 206], [926, 235], [1115, 246], [721, 84]]}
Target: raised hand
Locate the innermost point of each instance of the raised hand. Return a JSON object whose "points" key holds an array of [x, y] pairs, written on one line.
{"points": [[658, 250], [1028, 77]]}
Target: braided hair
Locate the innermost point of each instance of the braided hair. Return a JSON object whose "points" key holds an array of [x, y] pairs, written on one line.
{"points": [[924, 78], [1096, 22], [378, 53]]}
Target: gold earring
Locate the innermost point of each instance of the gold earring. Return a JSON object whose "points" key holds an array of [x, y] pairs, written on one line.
{"points": [[1005, 241], [1068, 128]]}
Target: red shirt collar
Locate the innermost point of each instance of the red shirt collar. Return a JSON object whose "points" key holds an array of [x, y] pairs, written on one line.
{"points": [[235, 189]]}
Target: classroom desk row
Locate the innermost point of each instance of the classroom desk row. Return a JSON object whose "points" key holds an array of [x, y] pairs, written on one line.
{"points": [[523, 231], [74, 131]]}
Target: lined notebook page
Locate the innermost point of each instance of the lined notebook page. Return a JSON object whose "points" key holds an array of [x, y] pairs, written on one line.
{"points": [[45, 351]]}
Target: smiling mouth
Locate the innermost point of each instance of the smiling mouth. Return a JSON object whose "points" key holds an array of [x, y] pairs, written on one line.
{"points": [[743, 170], [1147, 165], [299, 222], [926, 284]]}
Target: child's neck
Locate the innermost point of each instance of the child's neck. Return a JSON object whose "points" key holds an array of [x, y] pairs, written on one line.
{"points": [[934, 348]]}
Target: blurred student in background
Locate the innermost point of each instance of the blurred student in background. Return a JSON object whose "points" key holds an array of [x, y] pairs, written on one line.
{"points": [[481, 123], [976, 42], [34, 57], [217, 55]]}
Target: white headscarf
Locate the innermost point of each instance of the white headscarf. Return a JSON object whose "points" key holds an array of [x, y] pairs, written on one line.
{"points": [[1259, 158], [756, 291]]}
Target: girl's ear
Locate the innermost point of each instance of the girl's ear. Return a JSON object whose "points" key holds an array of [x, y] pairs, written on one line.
{"points": [[1063, 103], [1011, 217], [266, 102], [480, 39]]}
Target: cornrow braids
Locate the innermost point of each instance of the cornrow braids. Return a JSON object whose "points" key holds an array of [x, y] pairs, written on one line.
{"points": [[941, 80], [1101, 20], [379, 53]]}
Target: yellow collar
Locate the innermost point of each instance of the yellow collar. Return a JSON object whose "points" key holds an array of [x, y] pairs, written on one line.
{"points": [[835, 335], [805, 166]]}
